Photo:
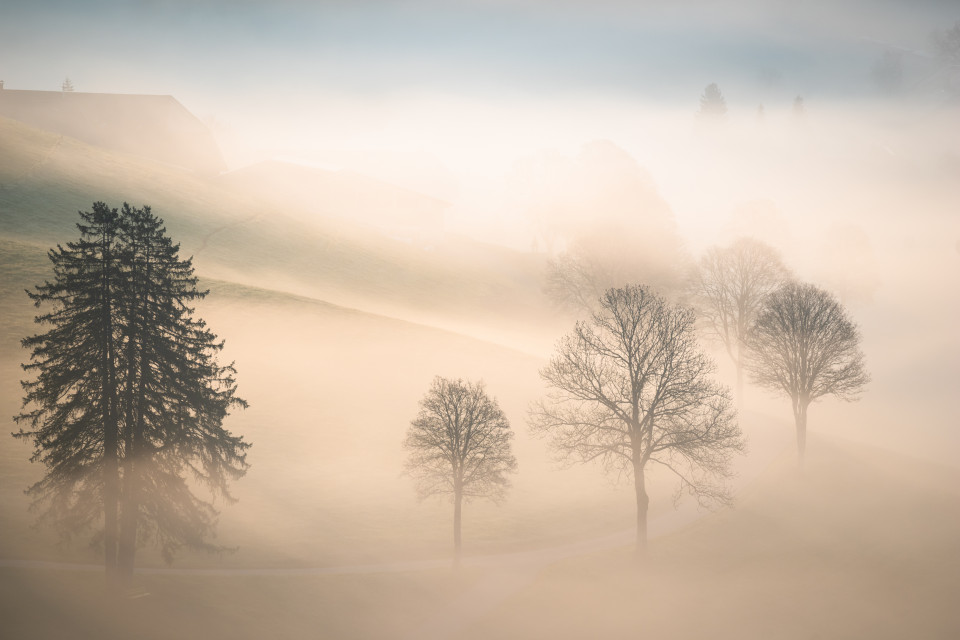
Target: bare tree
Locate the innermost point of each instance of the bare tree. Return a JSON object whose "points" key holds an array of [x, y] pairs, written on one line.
{"points": [[729, 287], [459, 444], [803, 344], [630, 387], [571, 282]]}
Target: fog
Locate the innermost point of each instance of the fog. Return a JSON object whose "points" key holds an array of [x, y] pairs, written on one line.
{"points": [[418, 189]]}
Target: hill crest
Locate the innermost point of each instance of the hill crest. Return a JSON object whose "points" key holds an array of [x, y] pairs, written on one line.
{"points": [[153, 126]]}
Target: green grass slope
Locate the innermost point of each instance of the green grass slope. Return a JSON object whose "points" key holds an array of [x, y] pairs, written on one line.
{"points": [[267, 242]]}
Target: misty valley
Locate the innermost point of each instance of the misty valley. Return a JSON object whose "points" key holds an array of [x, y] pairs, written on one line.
{"points": [[517, 352]]}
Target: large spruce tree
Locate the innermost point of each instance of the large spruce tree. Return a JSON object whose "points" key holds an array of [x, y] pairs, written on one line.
{"points": [[129, 400]]}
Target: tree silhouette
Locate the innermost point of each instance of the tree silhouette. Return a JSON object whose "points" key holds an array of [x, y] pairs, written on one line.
{"points": [[713, 106], [799, 109], [729, 286], [128, 398], [459, 444], [804, 345], [630, 387]]}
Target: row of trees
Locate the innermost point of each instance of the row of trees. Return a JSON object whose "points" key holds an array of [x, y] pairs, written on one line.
{"points": [[790, 337], [630, 387], [127, 401], [713, 106]]}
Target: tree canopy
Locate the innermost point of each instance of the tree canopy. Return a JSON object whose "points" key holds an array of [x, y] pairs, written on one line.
{"points": [[459, 445], [804, 345], [631, 386], [729, 286], [713, 106]]}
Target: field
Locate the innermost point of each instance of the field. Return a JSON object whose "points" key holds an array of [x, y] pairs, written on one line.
{"points": [[337, 330]]}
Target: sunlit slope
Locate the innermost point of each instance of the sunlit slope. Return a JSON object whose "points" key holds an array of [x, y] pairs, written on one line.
{"points": [[863, 544], [45, 178], [317, 192]]}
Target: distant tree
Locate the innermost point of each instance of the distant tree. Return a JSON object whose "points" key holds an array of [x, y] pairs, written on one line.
{"points": [[128, 399], [804, 345], [729, 286], [761, 115], [459, 444], [713, 106], [609, 224], [946, 46], [630, 387], [799, 110], [67, 85], [572, 282]]}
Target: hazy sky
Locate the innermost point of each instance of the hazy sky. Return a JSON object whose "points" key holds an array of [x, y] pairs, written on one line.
{"points": [[471, 85], [210, 53]]}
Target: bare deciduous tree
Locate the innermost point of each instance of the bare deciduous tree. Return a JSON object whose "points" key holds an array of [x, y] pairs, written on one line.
{"points": [[803, 344], [631, 386], [729, 287], [459, 444]]}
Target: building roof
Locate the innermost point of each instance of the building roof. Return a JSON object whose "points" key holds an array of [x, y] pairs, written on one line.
{"points": [[155, 127]]}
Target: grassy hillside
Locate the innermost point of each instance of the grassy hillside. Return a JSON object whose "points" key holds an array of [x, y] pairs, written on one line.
{"points": [[862, 545], [269, 242]]}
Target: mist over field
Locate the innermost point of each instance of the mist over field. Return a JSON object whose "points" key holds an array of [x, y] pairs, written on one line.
{"points": [[389, 202]]}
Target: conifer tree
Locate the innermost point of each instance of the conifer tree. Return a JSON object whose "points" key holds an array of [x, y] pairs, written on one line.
{"points": [[122, 437], [713, 106]]}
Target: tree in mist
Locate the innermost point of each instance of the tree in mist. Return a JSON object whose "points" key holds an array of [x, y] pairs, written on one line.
{"points": [[572, 282], [713, 106], [127, 405], [630, 387], [799, 109], [67, 86], [459, 444], [576, 279], [804, 345], [729, 286], [946, 46], [603, 220]]}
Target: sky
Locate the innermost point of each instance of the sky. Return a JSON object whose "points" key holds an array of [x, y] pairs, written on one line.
{"points": [[445, 97], [213, 54]]}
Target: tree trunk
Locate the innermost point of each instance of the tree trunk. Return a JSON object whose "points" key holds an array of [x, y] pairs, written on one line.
{"points": [[128, 520], [739, 386], [800, 417], [128, 524], [111, 497], [643, 502], [457, 502], [111, 469]]}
